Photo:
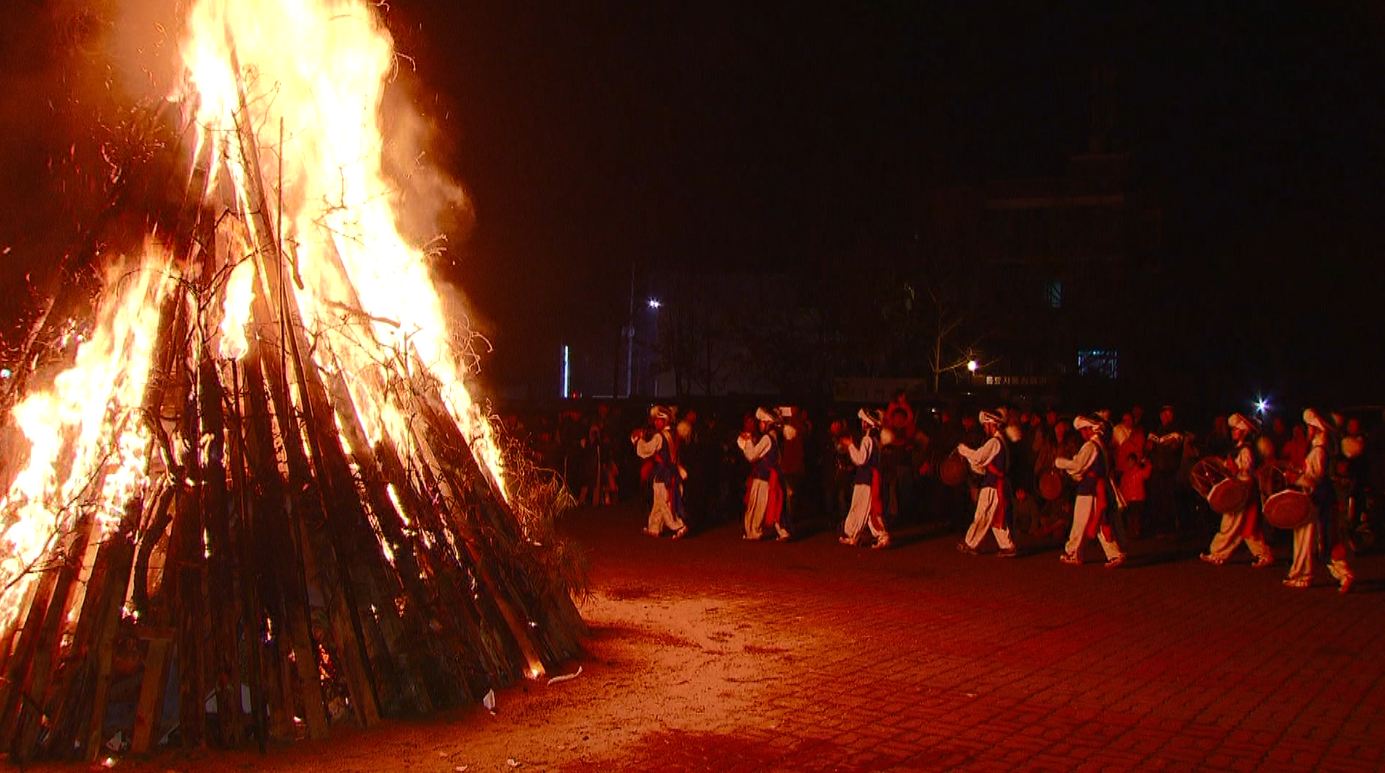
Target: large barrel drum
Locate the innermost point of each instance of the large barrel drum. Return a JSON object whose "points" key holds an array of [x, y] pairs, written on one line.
{"points": [[953, 470], [1283, 505], [1224, 492]]}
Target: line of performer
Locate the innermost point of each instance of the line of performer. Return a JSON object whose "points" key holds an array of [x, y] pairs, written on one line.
{"points": [[1243, 493]]}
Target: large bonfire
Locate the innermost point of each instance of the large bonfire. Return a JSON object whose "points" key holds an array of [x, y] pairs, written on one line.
{"points": [[253, 496]]}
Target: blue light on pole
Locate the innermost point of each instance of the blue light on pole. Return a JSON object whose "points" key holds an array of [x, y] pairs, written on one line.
{"points": [[1262, 405], [567, 372]]}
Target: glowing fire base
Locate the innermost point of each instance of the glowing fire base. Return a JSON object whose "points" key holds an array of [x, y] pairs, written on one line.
{"points": [[261, 478]]}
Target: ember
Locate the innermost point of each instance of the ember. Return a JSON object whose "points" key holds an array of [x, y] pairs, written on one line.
{"points": [[261, 470]]}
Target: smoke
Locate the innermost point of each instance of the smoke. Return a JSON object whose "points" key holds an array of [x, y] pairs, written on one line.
{"points": [[82, 79], [432, 207], [429, 202], [35, 130], [74, 73], [142, 45]]}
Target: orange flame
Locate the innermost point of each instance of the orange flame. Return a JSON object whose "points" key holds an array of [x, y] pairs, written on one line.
{"points": [[236, 311], [87, 441], [319, 68], [306, 79]]}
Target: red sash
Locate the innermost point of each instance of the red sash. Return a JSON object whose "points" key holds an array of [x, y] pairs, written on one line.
{"points": [[1002, 507], [1097, 520], [774, 505], [1251, 526]]}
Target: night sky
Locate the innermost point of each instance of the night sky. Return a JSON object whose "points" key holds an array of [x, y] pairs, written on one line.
{"points": [[778, 135], [783, 135]]}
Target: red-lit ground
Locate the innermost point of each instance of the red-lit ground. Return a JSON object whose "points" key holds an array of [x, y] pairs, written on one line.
{"points": [[715, 654]]}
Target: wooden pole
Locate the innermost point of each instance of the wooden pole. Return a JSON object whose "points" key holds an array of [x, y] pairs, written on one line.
{"points": [[281, 559], [250, 571]]}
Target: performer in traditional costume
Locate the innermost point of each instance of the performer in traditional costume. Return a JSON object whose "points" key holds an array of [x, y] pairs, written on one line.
{"points": [[1165, 447], [1090, 510], [1243, 526], [866, 508], [655, 444], [1318, 538], [764, 494], [992, 462]]}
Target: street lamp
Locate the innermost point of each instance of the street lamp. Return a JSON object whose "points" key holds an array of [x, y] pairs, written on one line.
{"points": [[654, 305], [567, 372], [972, 366]]}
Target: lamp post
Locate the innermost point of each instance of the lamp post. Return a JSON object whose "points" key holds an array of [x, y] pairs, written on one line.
{"points": [[654, 305], [630, 338]]}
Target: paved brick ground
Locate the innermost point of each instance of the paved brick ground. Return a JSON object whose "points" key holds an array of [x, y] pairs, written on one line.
{"points": [[919, 657], [716, 654]]}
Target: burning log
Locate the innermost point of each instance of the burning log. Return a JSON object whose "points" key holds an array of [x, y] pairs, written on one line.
{"points": [[266, 480]]}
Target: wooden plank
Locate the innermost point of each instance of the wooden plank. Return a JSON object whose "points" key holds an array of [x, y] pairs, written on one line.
{"points": [[121, 555], [223, 646], [247, 564], [34, 686], [17, 666], [149, 709], [277, 549]]}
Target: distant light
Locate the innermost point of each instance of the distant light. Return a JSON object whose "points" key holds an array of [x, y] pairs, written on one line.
{"points": [[1261, 405], [655, 303], [6, 373], [972, 366], [567, 372]]}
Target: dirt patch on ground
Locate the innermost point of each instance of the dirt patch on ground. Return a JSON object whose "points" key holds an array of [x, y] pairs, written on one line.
{"points": [[660, 672]]}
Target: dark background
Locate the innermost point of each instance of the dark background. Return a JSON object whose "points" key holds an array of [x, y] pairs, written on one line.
{"points": [[778, 135], [788, 137]]}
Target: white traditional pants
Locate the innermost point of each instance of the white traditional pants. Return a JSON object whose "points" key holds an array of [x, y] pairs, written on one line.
{"points": [[1305, 550], [756, 502], [987, 505], [1231, 536], [1081, 513], [661, 514], [858, 516]]}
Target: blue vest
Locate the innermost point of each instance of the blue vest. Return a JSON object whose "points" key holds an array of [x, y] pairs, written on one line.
{"points": [[1001, 462], [1093, 477], [865, 472], [665, 471], [766, 464]]}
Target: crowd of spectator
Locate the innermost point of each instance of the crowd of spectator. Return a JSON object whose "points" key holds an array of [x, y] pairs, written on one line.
{"points": [[923, 482]]}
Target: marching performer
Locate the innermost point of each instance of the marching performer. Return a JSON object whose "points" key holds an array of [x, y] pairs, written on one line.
{"points": [[1089, 511], [866, 507], [764, 495], [1319, 536], [1243, 526], [655, 444], [992, 461]]}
